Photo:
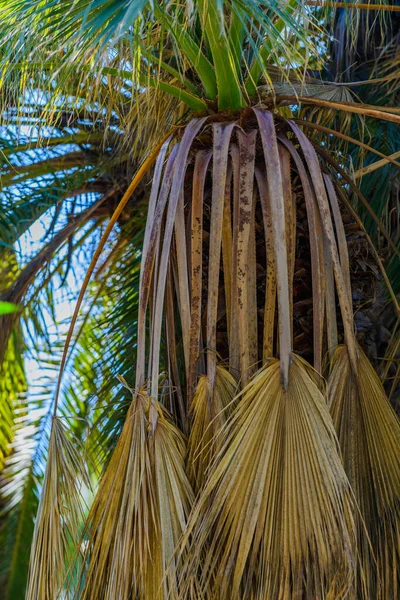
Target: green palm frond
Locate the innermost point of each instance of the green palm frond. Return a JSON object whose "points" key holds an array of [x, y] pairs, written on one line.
{"points": [[12, 388], [12, 375], [118, 39], [16, 532], [20, 488]]}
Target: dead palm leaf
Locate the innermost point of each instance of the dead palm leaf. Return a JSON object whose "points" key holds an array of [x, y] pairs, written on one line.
{"points": [[215, 391], [275, 517], [211, 408], [59, 518], [139, 512], [369, 436], [222, 561]]}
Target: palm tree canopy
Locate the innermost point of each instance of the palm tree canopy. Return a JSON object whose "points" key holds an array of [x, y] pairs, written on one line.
{"points": [[88, 87]]}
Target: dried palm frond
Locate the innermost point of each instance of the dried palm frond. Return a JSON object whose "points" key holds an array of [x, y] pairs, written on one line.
{"points": [[59, 518], [215, 391], [369, 436], [368, 429], [211, 408], [139, 512], [275, 516]]}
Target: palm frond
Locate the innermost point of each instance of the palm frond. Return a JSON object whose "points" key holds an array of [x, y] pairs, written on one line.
{"points": [[118, 40], [139, 512], [92, 401], [369, 436], [59, 517], [103, 349], [16, 530], [12, 388], [274, 517], [21, 479], [211, 408], [162, 258]]}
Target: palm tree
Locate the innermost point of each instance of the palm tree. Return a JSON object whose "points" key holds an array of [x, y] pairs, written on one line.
{"points": [[238, 472]]}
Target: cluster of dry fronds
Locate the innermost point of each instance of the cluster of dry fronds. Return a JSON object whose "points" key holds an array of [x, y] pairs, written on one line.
{"points": [[259, 481]]}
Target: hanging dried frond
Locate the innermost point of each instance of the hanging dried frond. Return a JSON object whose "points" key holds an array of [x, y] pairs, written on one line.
{"points": [[59, 518], [211, 408], [369, 436], [139, 512], [275, 516]]}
